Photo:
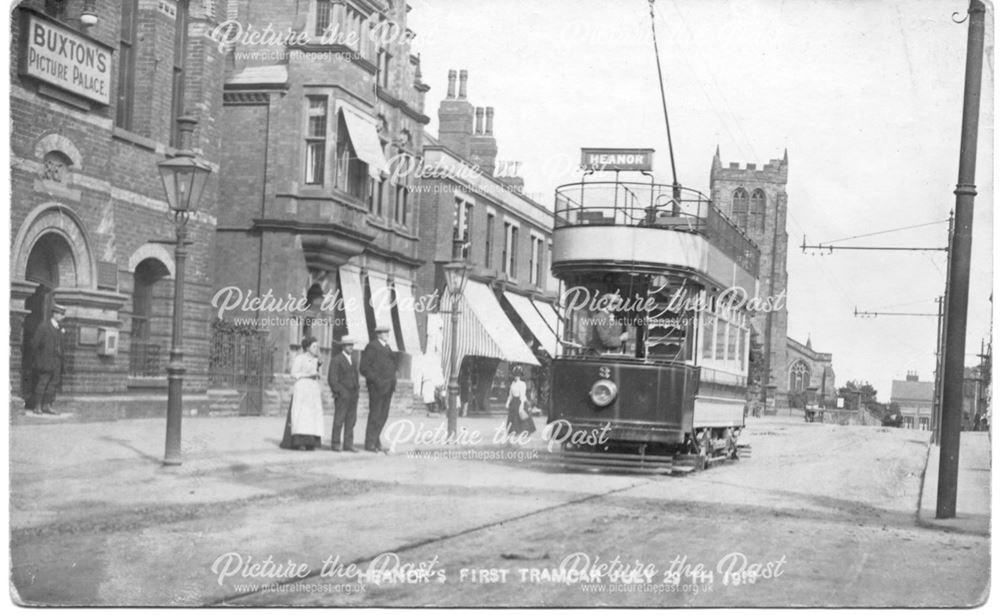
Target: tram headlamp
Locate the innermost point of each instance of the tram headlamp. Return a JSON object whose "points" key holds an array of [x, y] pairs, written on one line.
{"points": [[603, 392]]}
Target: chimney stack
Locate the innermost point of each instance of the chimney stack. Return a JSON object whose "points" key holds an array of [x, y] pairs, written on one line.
{"points": [[479, 120], [455, 118], [483, 147], [463, 78]]}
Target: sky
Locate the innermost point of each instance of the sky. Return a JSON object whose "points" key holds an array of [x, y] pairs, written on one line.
{"points": [[866, 96]]}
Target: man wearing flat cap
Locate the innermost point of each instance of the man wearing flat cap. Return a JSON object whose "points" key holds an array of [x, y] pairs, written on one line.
{"points": [[47, 359], [343, 380], [378, 366]]}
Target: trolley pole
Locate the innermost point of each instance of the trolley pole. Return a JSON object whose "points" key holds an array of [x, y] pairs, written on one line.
{"points": [[959, 259]]}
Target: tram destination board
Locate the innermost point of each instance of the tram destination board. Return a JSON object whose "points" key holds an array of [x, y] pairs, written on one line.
{"points": [[616, 159]]}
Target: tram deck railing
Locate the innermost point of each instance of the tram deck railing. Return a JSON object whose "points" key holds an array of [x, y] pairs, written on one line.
{"points": [[654, 205]]}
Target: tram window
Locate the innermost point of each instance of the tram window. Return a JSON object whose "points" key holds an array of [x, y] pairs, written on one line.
{"points": [[733, 343], [720, 341], [743, 348], [708, 336]]}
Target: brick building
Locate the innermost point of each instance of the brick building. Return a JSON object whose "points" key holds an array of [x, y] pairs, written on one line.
{"points": [[93, 110], [315, 194], [466, 197], [916, 401]]}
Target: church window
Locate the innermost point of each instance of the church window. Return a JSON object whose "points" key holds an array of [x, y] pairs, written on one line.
{"points": [[758, 203], [740, 201], [798, 377]]}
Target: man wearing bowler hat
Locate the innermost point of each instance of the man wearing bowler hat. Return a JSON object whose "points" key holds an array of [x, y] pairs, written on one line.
{"points": [[47, 359], [378, 366], [343, 380]]}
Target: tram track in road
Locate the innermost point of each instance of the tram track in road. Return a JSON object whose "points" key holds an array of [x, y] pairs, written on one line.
{"points": [[313, 573]]}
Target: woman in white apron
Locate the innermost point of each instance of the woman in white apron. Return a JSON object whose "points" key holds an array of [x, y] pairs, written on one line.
{"points": [[304, 427]]}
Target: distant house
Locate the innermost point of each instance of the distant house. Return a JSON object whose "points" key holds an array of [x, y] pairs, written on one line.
{"points": [[915, 399]]}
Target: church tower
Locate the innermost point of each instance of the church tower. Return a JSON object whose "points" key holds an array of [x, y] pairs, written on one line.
{"points": [[756, 201]]}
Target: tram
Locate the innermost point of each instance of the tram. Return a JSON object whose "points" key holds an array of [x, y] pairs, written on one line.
{"points": [[655, 330]]}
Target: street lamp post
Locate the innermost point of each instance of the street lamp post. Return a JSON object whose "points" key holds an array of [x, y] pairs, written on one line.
{"points": [[184, 178], [455, 273]]}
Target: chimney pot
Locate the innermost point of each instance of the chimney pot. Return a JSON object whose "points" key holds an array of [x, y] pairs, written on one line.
{"points": [[489, 121], [451, 84], [463, 79], [479, 120]]}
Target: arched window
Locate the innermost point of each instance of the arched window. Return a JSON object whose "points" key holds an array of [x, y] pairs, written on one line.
{"points": [[150, 318], [798, 377], [758, 207], [740, 201]]}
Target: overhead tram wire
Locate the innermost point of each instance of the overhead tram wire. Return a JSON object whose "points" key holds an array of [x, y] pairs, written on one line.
{"points": [[892, 230]]}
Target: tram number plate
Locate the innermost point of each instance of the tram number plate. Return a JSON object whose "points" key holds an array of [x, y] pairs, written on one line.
{"points": [[604, 372]]}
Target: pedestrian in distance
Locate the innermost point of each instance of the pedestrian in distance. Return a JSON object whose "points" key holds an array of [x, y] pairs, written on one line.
{"points": [[431, 384], [378, 366], [343, 381], [48, 360], [519, 421], [304, 426]]}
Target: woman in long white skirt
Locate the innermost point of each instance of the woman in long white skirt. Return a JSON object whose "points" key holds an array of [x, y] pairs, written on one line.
{"points": [[304, 427]]}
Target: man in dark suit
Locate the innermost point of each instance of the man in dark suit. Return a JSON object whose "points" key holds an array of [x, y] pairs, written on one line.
{"points": [[47, 359], [343, 380], [378, 366]]}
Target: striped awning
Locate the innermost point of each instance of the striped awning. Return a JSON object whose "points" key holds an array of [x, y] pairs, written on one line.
{"points": [[353, 295], [381, 300], [364, 138], [407, 316], [545, 335], [548, 314], [483, 329]]}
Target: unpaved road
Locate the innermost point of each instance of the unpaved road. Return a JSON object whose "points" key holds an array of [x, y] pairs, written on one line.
{"points": [[825, 515]]}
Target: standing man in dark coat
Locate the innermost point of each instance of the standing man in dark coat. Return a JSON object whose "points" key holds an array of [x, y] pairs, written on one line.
{"points": [[47, 359], [378, 366], [343, 380]]}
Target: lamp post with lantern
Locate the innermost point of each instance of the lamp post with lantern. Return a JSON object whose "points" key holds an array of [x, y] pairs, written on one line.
{"points": [[184, 178], [456, 273]]}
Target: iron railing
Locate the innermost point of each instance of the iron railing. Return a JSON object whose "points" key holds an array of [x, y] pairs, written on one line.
{"points": [[654, 205]]}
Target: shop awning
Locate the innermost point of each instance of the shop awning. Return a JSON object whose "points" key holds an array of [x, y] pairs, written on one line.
{"points": [[382, 304], [483, 329], [548, 314], [354, 304], [364, 138], [407, 316], [539, 328]]}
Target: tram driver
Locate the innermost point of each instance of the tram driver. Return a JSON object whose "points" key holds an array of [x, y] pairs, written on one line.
{"points": [[606, 335]]}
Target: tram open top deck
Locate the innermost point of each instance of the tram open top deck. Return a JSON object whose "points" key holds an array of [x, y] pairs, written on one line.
{"points": [[645, 227]]}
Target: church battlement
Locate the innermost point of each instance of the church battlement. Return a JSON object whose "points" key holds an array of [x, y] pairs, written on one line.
{"points": [[774, 170]]}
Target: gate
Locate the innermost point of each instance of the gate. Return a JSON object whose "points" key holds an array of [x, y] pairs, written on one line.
{"points": [[242, 358]]}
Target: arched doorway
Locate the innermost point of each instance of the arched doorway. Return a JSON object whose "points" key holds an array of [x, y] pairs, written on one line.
{"points": [[150, 318], [50, 264], [51, 261]]}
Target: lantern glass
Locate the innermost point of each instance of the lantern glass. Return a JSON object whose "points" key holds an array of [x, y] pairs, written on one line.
{"points": [[184, 180], [455, 276]]}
